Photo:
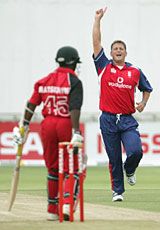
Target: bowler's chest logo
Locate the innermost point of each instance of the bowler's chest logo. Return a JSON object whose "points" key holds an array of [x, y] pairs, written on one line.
{"points": [[120, 80]]}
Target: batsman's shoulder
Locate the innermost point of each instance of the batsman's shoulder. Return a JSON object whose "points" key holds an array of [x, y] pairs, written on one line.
{"points": [[44, 79], [74, 79]]}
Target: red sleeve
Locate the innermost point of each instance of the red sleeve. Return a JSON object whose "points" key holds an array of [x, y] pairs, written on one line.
{"points": [[36, 97]]}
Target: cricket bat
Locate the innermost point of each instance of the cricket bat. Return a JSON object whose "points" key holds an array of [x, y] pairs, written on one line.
{"points": [[16, 172]]}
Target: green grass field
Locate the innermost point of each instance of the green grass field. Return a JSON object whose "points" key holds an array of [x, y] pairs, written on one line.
{"points": [[145, 195]]}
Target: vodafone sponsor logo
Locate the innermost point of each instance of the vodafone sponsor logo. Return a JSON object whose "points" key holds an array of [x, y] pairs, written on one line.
{"points": [[119, 84]]}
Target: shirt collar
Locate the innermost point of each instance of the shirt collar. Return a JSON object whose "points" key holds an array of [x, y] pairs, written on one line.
{"points": [[124, 67], [65, 70]]}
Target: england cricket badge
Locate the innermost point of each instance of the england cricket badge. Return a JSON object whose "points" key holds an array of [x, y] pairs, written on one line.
{"points": [[129, 74]]}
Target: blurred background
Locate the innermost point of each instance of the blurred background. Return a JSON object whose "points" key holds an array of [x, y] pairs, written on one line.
{"points": [[31, 32]]}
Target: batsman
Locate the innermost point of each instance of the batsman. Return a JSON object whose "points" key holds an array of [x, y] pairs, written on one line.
{"points": [[61, 93]]}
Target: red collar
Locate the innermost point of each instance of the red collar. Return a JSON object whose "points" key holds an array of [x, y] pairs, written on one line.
{"points": [[66, 70]]}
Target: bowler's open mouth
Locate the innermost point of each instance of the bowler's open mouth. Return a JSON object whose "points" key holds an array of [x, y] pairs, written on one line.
{"points": [[119, 55]]}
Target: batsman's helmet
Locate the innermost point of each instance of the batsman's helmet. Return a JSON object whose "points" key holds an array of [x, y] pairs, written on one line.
{"points": [[67, 55]]}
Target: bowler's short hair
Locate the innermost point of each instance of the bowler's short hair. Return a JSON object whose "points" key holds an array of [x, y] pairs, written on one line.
{"points": [[119, 41]]}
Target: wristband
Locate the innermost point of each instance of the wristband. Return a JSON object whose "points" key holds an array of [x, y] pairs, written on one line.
{"points": [[76, 131]]}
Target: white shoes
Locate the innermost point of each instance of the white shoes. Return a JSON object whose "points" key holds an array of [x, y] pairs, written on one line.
{"points": [[52, 217], [66, 211], [117, 197], [66, 214], [131, 178]]}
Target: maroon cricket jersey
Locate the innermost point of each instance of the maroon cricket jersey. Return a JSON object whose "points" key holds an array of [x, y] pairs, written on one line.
{"points": [[117, 86]]}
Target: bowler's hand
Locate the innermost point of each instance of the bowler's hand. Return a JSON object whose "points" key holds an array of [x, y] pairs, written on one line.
{"points": [[99, 13], [140, 106]]}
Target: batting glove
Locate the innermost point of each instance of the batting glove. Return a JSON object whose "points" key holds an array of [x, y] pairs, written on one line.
{"points": [[18, 137], [76, 138]]}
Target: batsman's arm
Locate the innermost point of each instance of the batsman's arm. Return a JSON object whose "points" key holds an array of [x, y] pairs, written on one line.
{"points": [[20, 135], [76, 134], [75, 104], [28, 113], [75, 116]]}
